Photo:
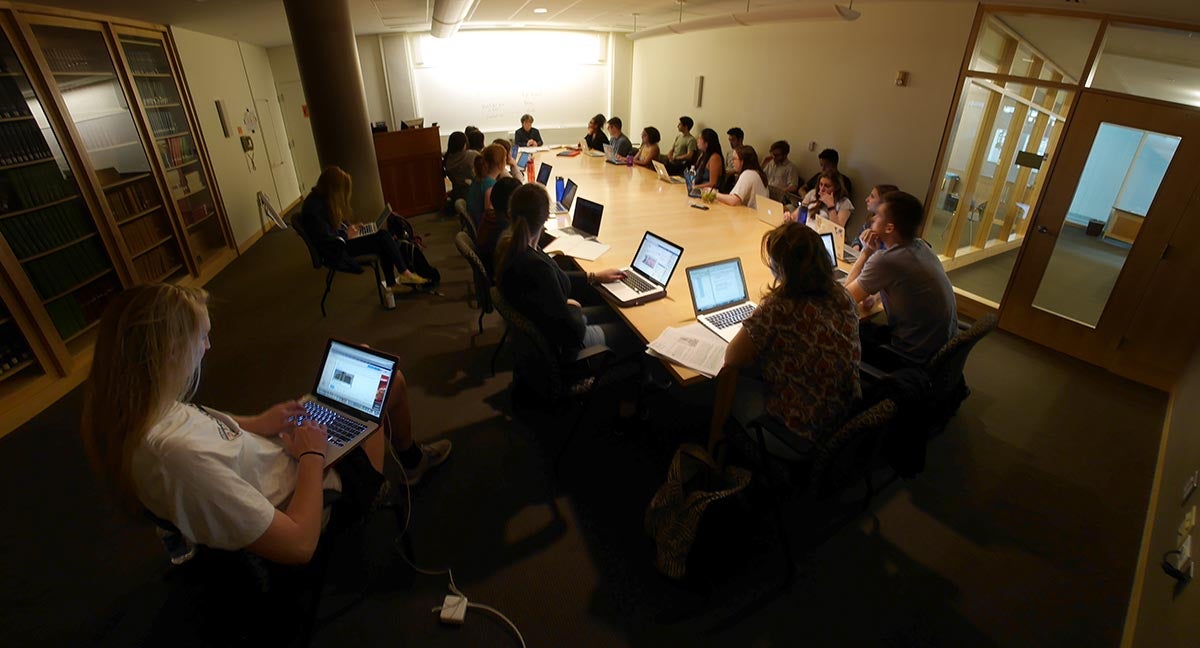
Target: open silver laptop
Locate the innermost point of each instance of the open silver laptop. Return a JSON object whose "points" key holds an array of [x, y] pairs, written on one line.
{"points": [[838, 274], [349, 396], [661, 170], [647, 277], [568, 198], [367, 229], [611, 157], [770, 211], [719, 296]]}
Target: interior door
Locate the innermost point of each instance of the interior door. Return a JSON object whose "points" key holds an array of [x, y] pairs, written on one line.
{"points": [[300, 137], [1125, 175]]}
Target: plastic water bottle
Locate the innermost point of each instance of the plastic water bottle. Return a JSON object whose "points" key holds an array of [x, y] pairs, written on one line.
{"points": [[389, 299], [558, 188]]}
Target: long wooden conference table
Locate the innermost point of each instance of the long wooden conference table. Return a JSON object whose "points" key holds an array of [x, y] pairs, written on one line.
{"points": [[636, 200]]}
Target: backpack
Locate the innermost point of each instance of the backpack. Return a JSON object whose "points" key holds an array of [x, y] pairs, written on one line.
{"points": [[413, 248]]}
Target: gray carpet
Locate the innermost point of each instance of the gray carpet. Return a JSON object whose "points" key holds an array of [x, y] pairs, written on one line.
{"points": [[1023, 530]]}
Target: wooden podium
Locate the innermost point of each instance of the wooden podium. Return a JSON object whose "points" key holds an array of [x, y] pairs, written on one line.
{"points": [[410, 170]]}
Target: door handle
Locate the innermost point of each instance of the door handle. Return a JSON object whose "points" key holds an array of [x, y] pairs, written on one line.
{"points": [[1043, 230]]}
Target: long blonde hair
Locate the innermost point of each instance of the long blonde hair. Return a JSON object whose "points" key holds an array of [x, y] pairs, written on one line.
{"points": [[146, 358], [334, 186]]}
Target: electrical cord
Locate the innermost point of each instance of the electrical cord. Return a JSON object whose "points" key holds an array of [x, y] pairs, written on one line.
{"points": [[449, 573]]}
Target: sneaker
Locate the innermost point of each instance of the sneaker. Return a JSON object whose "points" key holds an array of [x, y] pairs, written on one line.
{"points": [[400, 289], [413, 280], [432, 456]]}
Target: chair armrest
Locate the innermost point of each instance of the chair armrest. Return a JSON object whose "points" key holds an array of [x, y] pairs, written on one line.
{"points": [[594, 357], [767, 424]]}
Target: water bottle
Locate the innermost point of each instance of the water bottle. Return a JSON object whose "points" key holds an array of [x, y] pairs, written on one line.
{"points": [[389, 299], [558, 188], [802, 214], [529, 170]]}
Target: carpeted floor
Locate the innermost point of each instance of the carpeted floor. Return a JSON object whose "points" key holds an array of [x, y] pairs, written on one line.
{"points": [[1023, 530]]}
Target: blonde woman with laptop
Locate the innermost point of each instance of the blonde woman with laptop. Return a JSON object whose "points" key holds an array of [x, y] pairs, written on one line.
{"points": [[225, 481]]}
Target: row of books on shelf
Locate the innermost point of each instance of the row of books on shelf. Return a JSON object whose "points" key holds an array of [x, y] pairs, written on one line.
{"points": [[156, 92], [133, 199], [76, 60], [22, 141], [75, 312], [154, 265], [195, 213], [141, 234], [177, 150], [36, 232], [13, 355], [54, 273], [163, 122], [33, 186], [12, 102], [146, 59]]}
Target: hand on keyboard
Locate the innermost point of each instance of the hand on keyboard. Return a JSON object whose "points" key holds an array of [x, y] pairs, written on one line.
{"points": [[309, 436]]}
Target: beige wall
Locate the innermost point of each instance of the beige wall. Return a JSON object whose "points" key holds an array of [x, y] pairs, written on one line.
{"points": [[831, 82], [1162, 615], [215, 70]]}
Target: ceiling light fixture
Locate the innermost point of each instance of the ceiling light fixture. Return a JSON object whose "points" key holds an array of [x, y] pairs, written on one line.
{"points": [[847, 13], [539, 10]]}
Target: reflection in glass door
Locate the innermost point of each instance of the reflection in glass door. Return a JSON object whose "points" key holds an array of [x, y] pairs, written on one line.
{"points": [[1115, 192]]}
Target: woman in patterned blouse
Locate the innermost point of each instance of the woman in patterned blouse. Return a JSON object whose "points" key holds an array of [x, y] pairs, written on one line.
{"points": [[802, 340]]}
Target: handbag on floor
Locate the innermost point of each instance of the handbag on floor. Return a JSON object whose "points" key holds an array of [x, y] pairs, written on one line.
{"points": [[694, 481], [413, 248]]}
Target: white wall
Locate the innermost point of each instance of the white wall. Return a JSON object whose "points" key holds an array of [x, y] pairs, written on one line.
{"points": [[831, 82], [214, 69]]}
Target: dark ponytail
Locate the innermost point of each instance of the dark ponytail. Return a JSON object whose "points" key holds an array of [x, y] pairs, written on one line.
{"points": [[528, 211]]}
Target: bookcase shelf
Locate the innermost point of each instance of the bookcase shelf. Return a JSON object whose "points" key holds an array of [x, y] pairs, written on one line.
{"points": [[78, 334], [164, 240], [58, 248], [159, 138], [124, 181], [164, 276], [191, 193], [141, 214], [84, 73], [153, 75], [17, 369], [185, 164], [28, 210], [195, 226], [29, 163], [77, 286], [6, 120], [113, 147], [163, 106]]}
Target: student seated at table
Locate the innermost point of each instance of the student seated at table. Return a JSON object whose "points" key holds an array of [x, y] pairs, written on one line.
{"points": [[510, 163], [736, 137], [475, 138], [648, 152], [798, 353], [684, 149], [527, 135], [710, 165], [909, 278], [621, 144], [537, 288], [828, 161], [872, 205], [828, 199], [782, 173], [325, 215], [495, 220], [459, 164], [750, 182], [595, 138], [489, 166], [225, 481]]}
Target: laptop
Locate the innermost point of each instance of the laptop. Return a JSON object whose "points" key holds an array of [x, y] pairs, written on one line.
{"points": [[838, 273], [366, 229], [522, 160], [719, 296], [661, 170], [348, 398], [610, 155], [543, 176], [689, 177], [823, 225], [647, 276], [770, 211], [568, 198], [586, 222]]}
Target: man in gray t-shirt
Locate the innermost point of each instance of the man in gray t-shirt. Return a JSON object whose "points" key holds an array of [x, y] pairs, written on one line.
{"points": [[909, 278]]}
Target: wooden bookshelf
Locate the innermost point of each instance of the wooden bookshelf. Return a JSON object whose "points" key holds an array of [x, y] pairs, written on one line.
{"points": [[30, 210], [159, 138], [124, 181], [156, 245], [141, 214], [185, 164], [59, 248], [6, 120], [81, 284], [19, 165]]}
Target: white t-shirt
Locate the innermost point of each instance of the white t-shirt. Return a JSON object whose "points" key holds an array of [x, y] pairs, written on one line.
{"points": [[817, 207], [749, 187], [219, 484]]}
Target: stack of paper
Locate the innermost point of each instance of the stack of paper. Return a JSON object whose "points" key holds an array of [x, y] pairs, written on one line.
{"points": [[691, 346], [576, 246]]}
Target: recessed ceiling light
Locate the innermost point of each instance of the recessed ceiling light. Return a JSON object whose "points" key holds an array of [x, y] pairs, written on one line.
{"points": [[539, 10]]}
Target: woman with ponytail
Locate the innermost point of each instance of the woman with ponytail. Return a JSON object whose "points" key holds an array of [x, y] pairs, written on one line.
{"points": [[326, 215], [225, 481]]}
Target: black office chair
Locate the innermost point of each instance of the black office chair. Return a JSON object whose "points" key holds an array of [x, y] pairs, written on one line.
{"points": [[314, 251], [542, 376], [464, 218], [948, 386], [481, 287]]}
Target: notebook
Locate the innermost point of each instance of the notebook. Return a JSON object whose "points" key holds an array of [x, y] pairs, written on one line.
{"points": [[719, 296], [648, 274], [349, 396]]}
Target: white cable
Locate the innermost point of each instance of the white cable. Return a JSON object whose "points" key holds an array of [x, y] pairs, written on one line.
{"points": [[449, 573]]}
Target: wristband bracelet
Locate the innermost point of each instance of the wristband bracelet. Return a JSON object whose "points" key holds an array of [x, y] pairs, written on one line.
{"points": [[310, 452]]}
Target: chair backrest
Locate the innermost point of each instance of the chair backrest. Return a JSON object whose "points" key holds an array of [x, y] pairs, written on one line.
{"points": [[534, 357], [947, 365], [464, 218], [483, 282], [841, 460], [313, 252]]}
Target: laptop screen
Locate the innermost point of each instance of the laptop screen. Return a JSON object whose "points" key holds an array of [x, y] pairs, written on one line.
{"points": [[356, 379], [544, 174], [523, 159], [656, 258], [587, 216], [569, 194], [717, 285], [827, 239]]}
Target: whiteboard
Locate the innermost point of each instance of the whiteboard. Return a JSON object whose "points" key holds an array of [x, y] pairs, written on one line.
{"points": [[490, 78]]}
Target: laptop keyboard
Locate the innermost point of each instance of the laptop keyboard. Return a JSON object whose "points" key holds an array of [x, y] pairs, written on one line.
{"points": [[341, 429], [730, 317], [637, 283]]}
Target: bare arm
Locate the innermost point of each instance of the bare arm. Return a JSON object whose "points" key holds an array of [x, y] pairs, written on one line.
{"points": [[292, 537]]}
